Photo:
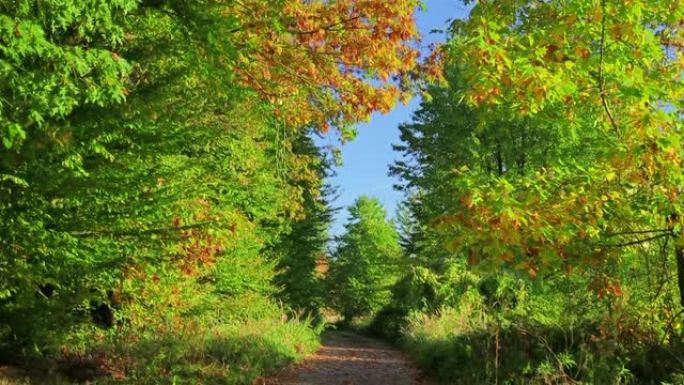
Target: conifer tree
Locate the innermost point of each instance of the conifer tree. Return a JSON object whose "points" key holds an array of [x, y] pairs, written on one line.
{"points": [[366, 261]]}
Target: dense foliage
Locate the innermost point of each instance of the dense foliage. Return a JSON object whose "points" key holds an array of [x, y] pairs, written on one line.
{"points": [[601, 76], [164, 215], [365, 262], [159, 189], [303, 257], [543, 190]]}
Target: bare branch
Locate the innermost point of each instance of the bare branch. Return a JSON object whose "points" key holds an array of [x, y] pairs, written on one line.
{"points": [[635, 232], [638, 241]]}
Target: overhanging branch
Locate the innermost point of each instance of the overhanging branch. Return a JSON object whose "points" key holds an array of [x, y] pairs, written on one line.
{"points": [[140, 232]]}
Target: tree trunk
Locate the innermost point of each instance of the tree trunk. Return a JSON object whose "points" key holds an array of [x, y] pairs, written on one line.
{"points": [[679, 257]]}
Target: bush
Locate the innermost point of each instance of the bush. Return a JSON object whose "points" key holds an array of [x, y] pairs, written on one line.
{"points": [[234, 353], [477, 344], [389, 322], [174, 331]]}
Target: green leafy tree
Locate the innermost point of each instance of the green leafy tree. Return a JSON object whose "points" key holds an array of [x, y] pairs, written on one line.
{"points": [[366, 261], [602, 75], [303, 249], [148, 162], [540, 180]]}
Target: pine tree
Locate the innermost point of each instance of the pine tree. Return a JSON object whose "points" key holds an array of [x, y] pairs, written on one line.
{"points": [[366, 260]]}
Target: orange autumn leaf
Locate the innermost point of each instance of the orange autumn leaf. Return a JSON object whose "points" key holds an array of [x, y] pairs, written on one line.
{"points": [[328, 63]]}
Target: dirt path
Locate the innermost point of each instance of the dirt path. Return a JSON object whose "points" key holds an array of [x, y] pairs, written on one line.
{"points": [[349, 359]]}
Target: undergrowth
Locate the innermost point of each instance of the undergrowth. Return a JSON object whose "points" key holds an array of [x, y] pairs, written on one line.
{"points": [[210, 340], [518, 334]]}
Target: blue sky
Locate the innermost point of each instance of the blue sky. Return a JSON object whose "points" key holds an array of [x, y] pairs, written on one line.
{"points": [[367, 158]]}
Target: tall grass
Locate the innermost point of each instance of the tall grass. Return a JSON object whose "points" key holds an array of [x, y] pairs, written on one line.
{"points": [[471, 345], [229, 342]]}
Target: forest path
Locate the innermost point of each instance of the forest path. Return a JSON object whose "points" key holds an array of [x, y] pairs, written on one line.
{"points": [[349, 359]]}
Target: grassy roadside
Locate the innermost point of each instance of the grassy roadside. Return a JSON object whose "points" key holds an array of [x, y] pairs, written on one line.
{"points": [[233, 353], [470, 346]]}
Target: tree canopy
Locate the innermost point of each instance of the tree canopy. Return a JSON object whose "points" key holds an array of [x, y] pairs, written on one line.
{"points": [[165, 212], [157, 173], [599, 85]]}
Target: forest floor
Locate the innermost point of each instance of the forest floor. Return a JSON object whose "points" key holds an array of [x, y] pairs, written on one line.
{"points": [[350, 359]]}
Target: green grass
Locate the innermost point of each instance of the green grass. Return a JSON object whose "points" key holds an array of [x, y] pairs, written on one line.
{"points": [[227, 354], [470, 347], [208, 349]]}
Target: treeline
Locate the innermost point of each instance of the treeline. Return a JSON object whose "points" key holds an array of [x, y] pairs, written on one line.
{"points": [[164, 216], [162, 204], [541, 229]]}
